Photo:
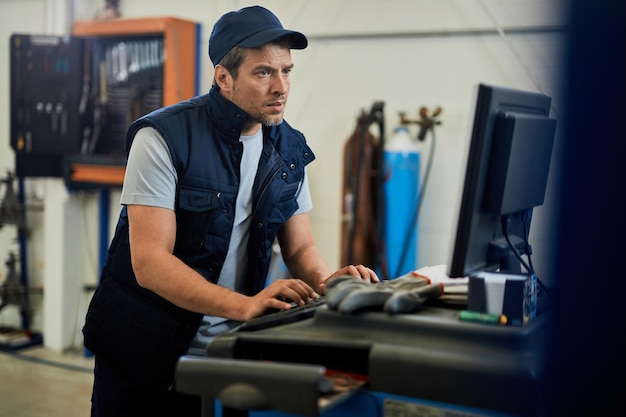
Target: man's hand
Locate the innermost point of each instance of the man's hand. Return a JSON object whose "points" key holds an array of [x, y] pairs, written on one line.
{"points": [[358, 271], [280, 295]]}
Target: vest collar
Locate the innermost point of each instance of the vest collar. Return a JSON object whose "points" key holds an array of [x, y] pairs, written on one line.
{"points": [[228, 117]]}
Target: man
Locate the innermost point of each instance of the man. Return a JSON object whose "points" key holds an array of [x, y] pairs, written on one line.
{"points": [[210, 183]]}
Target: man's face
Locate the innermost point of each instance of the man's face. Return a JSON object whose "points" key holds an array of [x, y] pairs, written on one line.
{"points": [[263, 82]]}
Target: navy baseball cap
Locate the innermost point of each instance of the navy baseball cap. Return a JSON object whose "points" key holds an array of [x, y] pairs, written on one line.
{"points": [[249, 27]]}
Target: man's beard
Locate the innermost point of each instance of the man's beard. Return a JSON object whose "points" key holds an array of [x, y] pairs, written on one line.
{"points": [[264, 119]]}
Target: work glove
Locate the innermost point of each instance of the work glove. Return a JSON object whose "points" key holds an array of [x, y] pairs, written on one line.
{"points": [[349, 295], [408, 301]]}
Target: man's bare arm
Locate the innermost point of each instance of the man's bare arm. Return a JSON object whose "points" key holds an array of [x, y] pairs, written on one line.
{"points": [[304, 259], [152, 236]]}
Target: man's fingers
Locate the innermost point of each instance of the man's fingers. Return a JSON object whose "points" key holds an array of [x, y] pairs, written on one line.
{"points": [[363, 272]]}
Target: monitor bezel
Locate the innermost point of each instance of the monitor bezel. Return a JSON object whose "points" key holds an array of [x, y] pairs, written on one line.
{"points": [[475, 228]]}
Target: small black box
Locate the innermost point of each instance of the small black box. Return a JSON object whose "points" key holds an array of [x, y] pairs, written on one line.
{"points": [[514, 295]]}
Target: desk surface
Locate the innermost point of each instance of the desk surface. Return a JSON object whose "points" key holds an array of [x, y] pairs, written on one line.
{"points": [[429, 355]]}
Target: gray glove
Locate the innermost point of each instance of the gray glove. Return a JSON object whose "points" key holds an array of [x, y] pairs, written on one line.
{"points": [[348, 294], [407, 301]]}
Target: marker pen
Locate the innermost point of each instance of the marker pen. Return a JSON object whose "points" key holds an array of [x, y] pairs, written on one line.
{"points": [[478, 317]]}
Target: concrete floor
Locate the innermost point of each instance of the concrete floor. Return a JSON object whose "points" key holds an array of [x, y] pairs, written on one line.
{"points": [[38, 382]]}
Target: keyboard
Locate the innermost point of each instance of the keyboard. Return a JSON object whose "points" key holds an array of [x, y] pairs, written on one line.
{"points": [[276, 318]]}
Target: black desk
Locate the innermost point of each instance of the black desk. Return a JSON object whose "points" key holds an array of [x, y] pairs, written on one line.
{"points": [[429, 355]]}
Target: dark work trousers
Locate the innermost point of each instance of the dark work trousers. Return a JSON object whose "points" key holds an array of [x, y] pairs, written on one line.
{"points": [[115, 395]]}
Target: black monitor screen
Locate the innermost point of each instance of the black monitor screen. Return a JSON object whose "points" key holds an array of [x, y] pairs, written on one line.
{"points": [[507, 170]]}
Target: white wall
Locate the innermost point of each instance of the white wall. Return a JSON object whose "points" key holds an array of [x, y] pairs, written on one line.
{"points": [[407, 53]]}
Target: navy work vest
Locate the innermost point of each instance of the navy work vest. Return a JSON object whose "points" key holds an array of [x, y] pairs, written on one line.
{"points": [[202, 135]]}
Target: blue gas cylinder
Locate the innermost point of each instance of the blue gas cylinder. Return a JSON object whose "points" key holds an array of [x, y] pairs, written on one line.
{"points": [[401, 190]]}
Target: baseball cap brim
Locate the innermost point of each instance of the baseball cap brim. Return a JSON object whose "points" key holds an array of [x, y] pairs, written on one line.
{"points": [[297, 39]]}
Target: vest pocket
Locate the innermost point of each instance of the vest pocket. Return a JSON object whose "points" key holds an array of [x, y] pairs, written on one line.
{"points": [[198, 200], [196, 209], [287, 204]]}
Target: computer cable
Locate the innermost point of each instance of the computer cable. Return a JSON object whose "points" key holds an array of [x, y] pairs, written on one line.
{"points": [[526, 220], [526, 217], [506, 220]]}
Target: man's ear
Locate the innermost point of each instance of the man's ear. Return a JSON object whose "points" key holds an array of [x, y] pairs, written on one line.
{"points": [[223, 78]]}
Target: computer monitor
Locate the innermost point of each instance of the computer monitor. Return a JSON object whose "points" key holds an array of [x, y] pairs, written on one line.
{"points": [[506, 175]]}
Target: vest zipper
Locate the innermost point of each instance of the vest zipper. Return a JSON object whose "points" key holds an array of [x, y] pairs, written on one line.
{"points": [[265, 185]]}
